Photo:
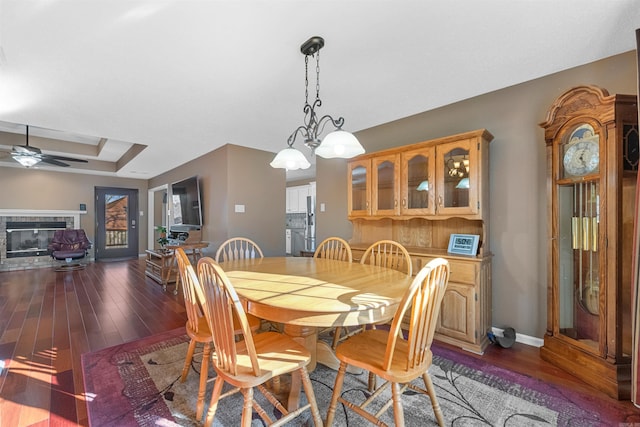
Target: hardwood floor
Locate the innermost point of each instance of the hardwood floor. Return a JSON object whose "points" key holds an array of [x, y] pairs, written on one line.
{"points": [[48, 320]]}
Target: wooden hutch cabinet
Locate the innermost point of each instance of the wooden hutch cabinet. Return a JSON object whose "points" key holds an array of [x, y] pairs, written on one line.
{"points": [[592, 159], [420, 194]]}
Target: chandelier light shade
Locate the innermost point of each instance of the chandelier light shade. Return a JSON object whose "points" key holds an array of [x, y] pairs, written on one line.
{"points": [[337, 144], [290, 159], [340, 144]]}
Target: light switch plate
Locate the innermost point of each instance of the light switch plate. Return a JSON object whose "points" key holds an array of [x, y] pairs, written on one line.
{"points": [[239, 208]]}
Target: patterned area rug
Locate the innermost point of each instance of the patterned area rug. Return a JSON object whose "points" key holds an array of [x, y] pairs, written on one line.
{"points": [[138, 384]]}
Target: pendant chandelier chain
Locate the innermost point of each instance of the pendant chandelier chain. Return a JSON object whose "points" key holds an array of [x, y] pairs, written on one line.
{"points": [[306, 76], [317, 55], [306, 79]]}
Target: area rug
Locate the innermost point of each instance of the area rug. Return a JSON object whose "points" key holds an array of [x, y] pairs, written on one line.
{"points": [[138, 384]]}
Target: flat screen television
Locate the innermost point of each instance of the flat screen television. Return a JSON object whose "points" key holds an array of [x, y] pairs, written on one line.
{"points": [[186, 202]]}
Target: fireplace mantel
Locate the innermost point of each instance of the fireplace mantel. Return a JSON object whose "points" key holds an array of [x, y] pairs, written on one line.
{"points": [[39, 212]]}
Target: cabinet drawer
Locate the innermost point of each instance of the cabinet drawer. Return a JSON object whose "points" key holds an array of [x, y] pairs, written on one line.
{"points": [[461, 272]]}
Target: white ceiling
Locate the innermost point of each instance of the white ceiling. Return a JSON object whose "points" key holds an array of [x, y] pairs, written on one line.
{"points": [[184, 77]]}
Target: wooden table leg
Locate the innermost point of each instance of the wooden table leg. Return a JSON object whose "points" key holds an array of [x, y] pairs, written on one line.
{"points": [[172, 263], [308, 337]]}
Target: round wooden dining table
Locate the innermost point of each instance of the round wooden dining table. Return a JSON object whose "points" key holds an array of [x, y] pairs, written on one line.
{"points": [[305, 294], [308, 293]]}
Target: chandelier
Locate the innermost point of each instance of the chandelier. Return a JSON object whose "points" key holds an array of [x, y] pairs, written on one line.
{"points": [[458, 168], [338, 143]]}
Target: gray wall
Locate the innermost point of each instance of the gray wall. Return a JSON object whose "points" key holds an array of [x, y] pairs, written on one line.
{"points": [[517, 174], [234, 175]]}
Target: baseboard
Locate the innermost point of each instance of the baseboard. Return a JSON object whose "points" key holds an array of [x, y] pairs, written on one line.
{"points": [[521, 338]]}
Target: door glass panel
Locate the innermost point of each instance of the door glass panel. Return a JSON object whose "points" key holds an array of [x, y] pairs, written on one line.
{"points": [[359, 188], [385, 185], [116, 208], [579, 272], [418, 184], [456, 178]]}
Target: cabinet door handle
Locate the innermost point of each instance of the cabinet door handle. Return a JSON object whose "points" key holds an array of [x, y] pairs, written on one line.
{"points": [[404, 202], [439, 200], [395, 203]]}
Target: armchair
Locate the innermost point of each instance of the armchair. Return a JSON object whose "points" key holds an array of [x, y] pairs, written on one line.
{"points": [[69, 245]]}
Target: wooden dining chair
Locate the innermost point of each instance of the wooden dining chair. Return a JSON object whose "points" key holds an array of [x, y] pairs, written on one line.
{"points": [[238, 248], [338, 249], [197, 327], [384, 253], [392, 357], [334, 248], [249, 363], [388, 253]]}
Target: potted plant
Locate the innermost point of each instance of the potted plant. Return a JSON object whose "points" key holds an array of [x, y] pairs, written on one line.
{"points": [[162, 239]]}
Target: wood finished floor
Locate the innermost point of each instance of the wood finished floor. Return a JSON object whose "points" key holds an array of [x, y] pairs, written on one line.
{"points": [[48, 320]]}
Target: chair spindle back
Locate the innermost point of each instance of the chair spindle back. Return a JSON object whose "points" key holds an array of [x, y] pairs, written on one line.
{"points": [[220, 302], [423, 298]]}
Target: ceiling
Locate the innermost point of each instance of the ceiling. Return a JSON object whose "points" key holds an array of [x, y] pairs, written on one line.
{"points": [[141, 87]]}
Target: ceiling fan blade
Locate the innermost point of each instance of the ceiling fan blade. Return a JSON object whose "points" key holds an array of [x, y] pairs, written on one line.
{"points": [[66, 159], [45, 159]]}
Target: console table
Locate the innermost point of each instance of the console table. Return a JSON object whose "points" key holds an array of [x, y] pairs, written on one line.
{"points": [[159, 265]]}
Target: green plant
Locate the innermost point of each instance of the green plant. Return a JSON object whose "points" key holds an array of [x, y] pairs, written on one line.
{"points": [[162, 239]]}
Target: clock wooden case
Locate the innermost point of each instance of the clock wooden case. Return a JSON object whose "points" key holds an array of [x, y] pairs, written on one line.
{"points": [[592, 162]]}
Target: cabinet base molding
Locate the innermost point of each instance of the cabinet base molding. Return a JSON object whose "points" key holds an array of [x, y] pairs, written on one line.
{"points": [[612, 379], [477, 348]]}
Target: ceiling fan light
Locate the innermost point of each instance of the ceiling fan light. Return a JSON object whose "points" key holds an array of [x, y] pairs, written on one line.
{"points": [[26, 161], [290, 159], [339, 144]]}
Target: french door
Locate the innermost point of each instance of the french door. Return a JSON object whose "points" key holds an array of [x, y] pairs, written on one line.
{"points": [[116, 223]]}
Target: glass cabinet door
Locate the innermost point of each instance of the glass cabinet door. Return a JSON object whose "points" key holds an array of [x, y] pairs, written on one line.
{"points": [[385, 172], [358, 190], [457, 171], [578, 262], [417, 185]]}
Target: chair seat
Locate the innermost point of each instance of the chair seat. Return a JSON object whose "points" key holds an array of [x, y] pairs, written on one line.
{"points": [[367, 351], [277, 354], [80, 253]]}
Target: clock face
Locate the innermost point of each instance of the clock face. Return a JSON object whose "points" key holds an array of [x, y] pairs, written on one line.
{"points": [[581, 158], [582, 151]]}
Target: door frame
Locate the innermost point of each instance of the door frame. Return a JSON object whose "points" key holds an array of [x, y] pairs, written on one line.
{"points": [[151, 226]]}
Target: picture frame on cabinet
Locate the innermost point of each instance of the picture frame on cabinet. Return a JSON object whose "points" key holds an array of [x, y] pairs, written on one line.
{"points": [[463, 244]]}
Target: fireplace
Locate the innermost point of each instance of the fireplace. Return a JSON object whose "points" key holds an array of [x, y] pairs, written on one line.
{"points": [[31, 238], [25, 236]]}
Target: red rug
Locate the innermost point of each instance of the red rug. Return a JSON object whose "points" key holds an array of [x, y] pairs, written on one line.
{"points": [[137, 384]]}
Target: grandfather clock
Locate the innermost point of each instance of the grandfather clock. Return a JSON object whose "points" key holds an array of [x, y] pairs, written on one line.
{"points": [[592, 165]]}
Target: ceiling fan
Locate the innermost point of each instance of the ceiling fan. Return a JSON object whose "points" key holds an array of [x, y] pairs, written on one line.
{"points": [[29, 156]]}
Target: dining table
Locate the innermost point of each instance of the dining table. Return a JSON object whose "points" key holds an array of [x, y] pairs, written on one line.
{"points": [[309, 294]]}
